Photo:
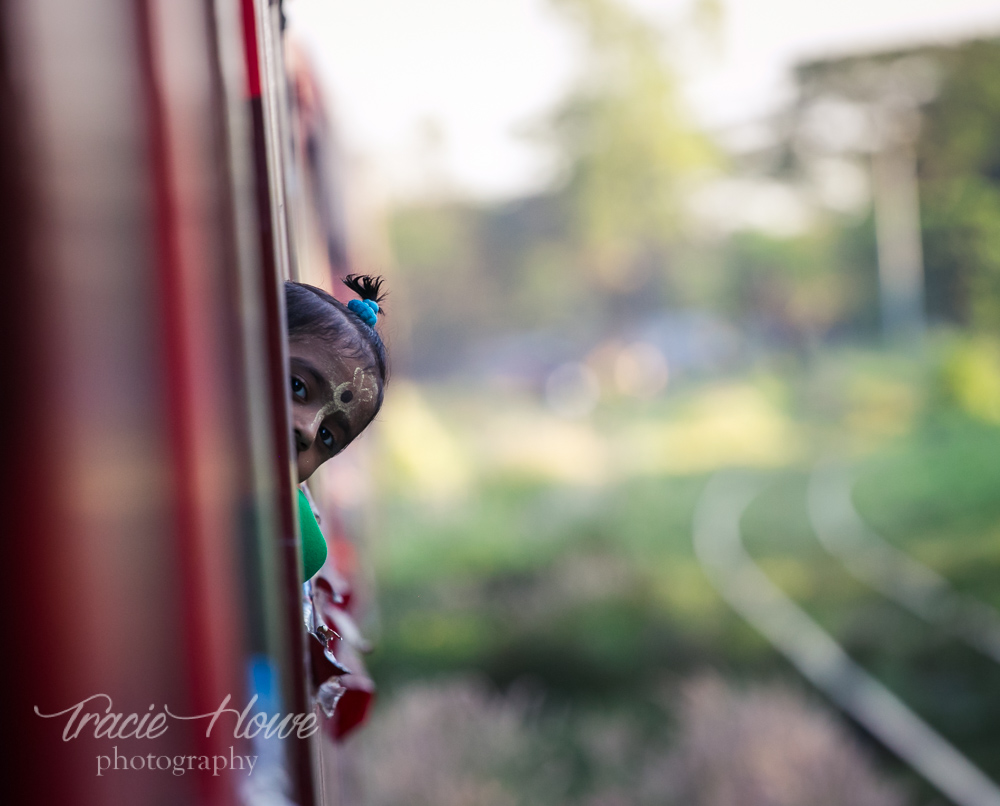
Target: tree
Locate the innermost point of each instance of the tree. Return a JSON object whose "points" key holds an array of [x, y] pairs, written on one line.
{"points": [[630, 153]]}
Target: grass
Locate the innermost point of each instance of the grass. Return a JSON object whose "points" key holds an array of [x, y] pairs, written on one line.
{"points": [[587, 584]]}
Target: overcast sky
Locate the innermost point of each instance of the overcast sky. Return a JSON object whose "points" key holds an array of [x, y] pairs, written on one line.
{"points": [[427, 91]]}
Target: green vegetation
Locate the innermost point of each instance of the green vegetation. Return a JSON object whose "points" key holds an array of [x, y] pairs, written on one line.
{"points": [[591, 592], [556, 553]]}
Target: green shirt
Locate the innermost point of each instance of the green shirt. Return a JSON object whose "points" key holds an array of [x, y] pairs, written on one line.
{"points": [[313, 544]]}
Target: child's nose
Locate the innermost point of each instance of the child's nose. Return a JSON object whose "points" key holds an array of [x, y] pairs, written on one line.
{"points": [[303, 439]]}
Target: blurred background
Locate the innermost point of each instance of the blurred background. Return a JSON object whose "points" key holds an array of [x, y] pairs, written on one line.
{"points": [[687, 485]]}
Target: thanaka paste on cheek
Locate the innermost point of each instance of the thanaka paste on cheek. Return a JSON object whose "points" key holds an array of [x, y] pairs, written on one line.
{"points": [[348, 396], [360, 389]]}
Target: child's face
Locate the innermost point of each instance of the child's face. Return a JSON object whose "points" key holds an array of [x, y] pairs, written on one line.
{"points": [[333, 399]]}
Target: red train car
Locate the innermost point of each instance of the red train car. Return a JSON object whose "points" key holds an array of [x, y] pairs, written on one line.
{"points": [[153, 600]]}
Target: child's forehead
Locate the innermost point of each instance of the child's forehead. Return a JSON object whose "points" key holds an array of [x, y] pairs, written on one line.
{"points": [[328, 357], [335, 370]]}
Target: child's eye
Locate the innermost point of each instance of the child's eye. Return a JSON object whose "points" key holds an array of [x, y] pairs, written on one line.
{"points": [[298, 389], [327, 438]]}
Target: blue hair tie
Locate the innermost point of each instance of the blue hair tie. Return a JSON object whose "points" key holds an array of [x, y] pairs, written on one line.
{"points": [[366, 309]]}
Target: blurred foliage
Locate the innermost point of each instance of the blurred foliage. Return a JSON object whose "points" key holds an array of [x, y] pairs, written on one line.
{"points": [[959, 152], [629, 149], [556, 553], [969, 376], [803, 289], [934, 495], [614, 240], [949, 100], [605, 242], [589, 591], [457, 742]]}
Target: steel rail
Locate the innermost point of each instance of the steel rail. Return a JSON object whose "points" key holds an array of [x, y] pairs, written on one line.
{"points": [[873, 560], [747, 589]]}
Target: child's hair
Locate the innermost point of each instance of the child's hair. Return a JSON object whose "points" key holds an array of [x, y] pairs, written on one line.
{"points": [[314, 312]]}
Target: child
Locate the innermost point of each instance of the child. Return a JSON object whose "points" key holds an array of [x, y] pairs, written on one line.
{"points": [[339, 370]]}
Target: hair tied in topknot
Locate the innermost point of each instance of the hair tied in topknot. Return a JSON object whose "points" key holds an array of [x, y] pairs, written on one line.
{"points": [[366, 287]]}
